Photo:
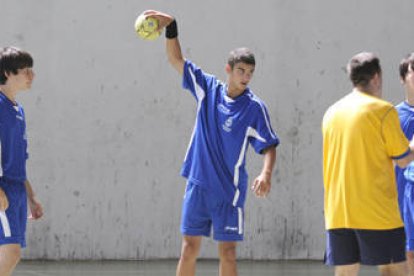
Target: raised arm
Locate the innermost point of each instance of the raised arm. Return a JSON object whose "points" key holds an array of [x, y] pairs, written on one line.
{"points": [[173, 47]]}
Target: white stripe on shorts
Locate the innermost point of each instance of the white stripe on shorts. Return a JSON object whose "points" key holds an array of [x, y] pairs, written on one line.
{"points": [[240, 211], [5, 224]]}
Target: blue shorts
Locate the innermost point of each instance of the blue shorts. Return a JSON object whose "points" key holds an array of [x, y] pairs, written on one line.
{"points": [[201, 211], [13, 220], [408, 216], [369, 247]]}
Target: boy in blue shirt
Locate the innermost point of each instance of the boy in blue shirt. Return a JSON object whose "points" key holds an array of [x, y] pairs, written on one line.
{"points": [[405, 177], [16, 75], [229, 118]]}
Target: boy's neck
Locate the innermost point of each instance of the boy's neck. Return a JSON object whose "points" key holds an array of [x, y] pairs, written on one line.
{"points": [[409, 97], [9, 93], [233, 92]]}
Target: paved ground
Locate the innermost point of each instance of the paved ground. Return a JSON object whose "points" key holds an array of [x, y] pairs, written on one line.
{"points": [[167, 267]]}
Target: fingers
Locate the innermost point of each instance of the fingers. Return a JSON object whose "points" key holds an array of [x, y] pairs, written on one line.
{"points": [[37, 212], [260, 188]]}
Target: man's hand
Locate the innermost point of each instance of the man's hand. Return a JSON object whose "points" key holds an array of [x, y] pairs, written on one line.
{"points": [[4, 202], [261, 185]]}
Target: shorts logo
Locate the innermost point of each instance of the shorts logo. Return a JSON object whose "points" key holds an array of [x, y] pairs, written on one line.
{"points": [[231, 228], [227, 124], [19, 117]]}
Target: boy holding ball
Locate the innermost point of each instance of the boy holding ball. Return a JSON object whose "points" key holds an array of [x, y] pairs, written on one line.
{"points": [[229, 117]]}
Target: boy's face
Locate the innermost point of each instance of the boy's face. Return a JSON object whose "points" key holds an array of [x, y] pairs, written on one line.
{"points": [[409, 80], [240, 76], [22, 80]]}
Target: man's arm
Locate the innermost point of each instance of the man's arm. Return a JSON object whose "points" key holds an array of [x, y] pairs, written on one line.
{"points": [[173, 47], [35, 207], [262, 183], [403, 162]]}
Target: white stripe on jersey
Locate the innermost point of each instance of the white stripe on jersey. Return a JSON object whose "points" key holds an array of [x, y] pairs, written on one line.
{"points": [[240, 212], [1, 162], [5, 224], [200, 93], [265, 117], [250, 132]]}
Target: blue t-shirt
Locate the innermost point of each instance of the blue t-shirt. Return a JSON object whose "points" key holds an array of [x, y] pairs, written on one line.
{"points": [[224, 127], [406, 114], [13, 140]]}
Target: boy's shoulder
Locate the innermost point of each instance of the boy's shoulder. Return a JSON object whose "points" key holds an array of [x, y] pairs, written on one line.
{"points": [[254, 99]]}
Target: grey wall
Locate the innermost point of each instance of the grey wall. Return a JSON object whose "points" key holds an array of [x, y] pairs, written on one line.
{"points": [[108, 122]]}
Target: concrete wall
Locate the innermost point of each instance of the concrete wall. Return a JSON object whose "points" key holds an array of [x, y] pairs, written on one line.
{"points": [[108, 122]]}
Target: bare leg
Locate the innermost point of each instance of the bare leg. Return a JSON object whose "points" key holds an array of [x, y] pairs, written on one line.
{"points": [[410, 263], [9, 257], [227, 254], [395, 269], [189, 252], [347, 270]]}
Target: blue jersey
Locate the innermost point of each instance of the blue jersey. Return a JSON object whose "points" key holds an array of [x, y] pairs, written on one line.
{"points": [[406, 114], [224, 128], [13, 140]]}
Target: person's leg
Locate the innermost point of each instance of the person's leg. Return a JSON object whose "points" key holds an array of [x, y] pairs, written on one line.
{"points": [[408, 206], [394, 269], [195, 223], [9, 257], [189, 252], [227, 254], [342, 251], [384, 249], [347, 270], [410, 262]]}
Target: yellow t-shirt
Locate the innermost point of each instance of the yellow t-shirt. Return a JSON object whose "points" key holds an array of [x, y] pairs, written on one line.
{"points": [[361, 136]]}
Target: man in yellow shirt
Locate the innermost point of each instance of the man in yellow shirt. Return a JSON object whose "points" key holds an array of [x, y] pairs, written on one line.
{"points": [[361, 139]]}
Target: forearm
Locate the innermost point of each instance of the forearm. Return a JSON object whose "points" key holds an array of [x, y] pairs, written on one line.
{"points": [[269, 162], [403, 162], [29, 190], [174, 54]]}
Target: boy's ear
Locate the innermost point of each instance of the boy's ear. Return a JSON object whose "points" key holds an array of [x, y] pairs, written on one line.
{"points": [[228, 68]]}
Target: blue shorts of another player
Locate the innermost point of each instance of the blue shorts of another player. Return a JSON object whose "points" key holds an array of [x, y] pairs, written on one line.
{"points": [[408, 215], [368, 247], [13, 221], [203, 211]]}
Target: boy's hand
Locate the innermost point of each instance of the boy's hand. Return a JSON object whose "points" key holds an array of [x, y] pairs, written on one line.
{"points": [[163, 18], [261, 185], [36, 209], [4, 202]]}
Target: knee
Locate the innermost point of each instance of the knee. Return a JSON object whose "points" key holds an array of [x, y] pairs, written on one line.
{"points": [[189, 250], [15, 254], [228, 253]]}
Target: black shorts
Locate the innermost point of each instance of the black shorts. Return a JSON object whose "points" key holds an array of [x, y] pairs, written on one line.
{"points": [[369, 247]]}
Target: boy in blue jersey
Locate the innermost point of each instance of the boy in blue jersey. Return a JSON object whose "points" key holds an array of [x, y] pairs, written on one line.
{"points": [[229, 118], [405, 177], [15, 190]]}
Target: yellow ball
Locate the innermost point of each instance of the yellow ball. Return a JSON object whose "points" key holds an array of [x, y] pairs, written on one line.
{"points": [[147, 28]]}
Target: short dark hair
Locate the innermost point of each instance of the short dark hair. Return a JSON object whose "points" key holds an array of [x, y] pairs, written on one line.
{"points": [[12, 59], [362, 68], [241, 55], [405, 64]]}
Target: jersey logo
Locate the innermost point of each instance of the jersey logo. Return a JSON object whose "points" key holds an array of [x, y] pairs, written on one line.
{"points": [[19, 117], [227, 124], [223, 109]]}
